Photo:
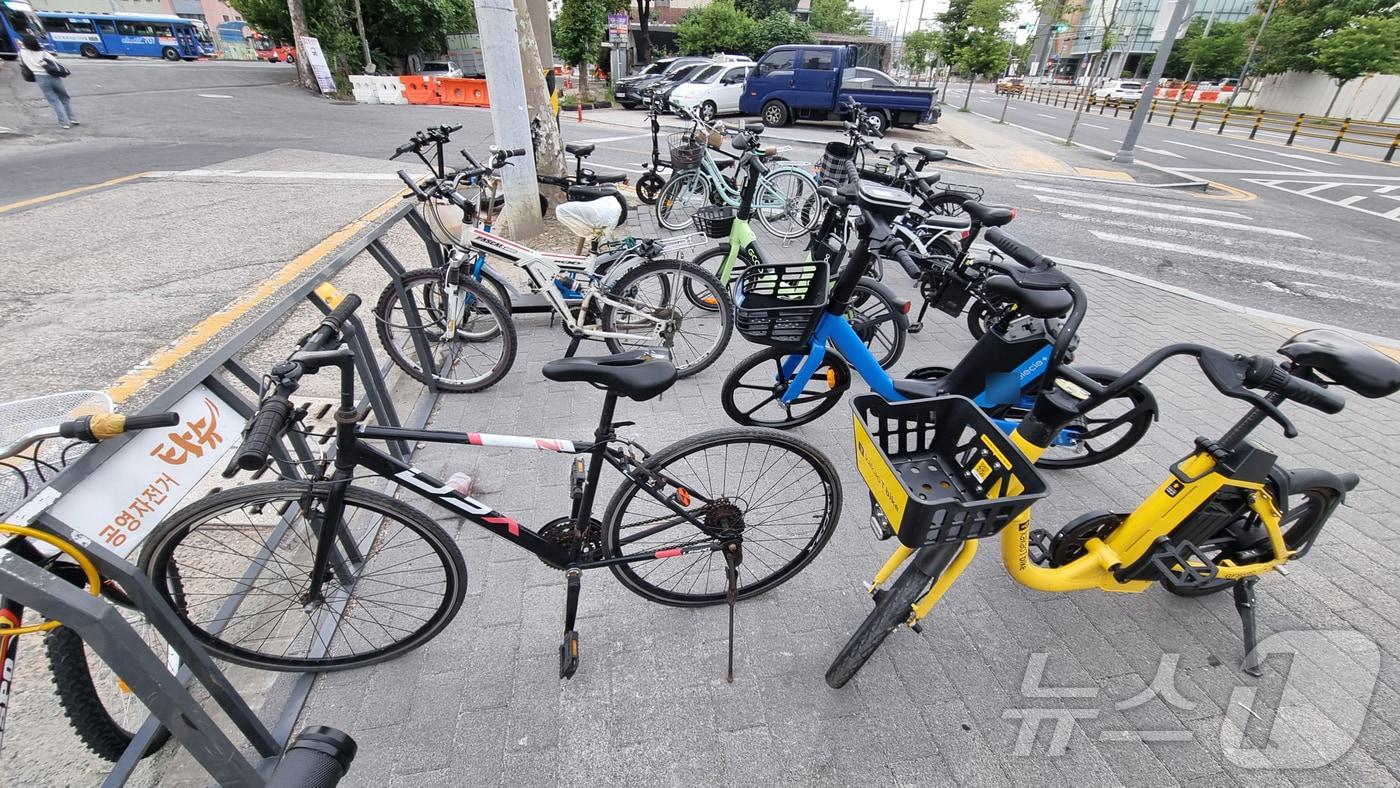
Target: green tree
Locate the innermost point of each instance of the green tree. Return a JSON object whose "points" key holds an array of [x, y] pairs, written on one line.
{"points": [[775, 29], [717, 27], [954, 24], [921, 50], [985, 50], [1298, 27], [836, 16], [578, 32], [762, 9], [1220, 54], [1371, 44]]}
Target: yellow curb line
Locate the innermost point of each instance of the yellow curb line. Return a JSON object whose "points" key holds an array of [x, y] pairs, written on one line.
{"points": [[15, 206], [1232, 193], [142, 374]]}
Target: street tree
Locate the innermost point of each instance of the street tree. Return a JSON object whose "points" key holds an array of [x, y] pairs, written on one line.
{"points": [[1297, 29], [775, 29], [762, 9], [836, 16], [1369, 45], [1220, 54], [954, 24], [643, 32], [921, 50], [580, 29], [717, 27], [986, 50]]}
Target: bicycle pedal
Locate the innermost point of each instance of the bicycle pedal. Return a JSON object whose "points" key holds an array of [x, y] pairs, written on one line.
{"points": [[1041, 547], [1182, 564], [568, 655], [915, 328]]}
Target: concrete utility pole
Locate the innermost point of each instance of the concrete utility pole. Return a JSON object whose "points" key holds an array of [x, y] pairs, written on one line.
{"points": [[1125, 154], [510, 114]]}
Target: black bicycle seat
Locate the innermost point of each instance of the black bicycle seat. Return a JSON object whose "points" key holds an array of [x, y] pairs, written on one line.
{"points": [[723, 164], [930, 154], [580, 150], [636, 374], [918, 389], [936, 222], [1345, 361], [1029, 301], [989, 215], [927, 178]]}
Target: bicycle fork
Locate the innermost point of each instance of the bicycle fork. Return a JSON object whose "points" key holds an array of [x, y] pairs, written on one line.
{"points": [[944, 562]]}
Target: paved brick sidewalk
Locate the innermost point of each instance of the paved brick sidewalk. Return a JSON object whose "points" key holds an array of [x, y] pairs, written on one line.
{"points": [[482, 704]]}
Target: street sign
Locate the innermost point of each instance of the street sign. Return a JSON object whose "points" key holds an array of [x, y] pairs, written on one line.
{"points": [[317, 60], [1159, 27], [617, 28]]}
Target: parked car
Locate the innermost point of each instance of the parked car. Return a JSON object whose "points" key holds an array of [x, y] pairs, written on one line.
{"points": [[659, 90], [628, 90], [439, 68], [1118, 91], [812, 82], [714, 90], [1012, 86]]}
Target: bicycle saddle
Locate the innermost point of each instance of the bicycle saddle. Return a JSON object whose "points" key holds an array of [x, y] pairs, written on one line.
{"points": [[580, 150], [1345, 361], [885, 201], [723, 164], [592, 218], [930, 154], [636, 374], [927, 178], [936, 222], [1030, 301], [989, 215]]}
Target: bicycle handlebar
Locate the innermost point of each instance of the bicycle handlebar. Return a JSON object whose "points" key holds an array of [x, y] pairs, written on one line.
{"points": [[319, 757], [100, 427], [1016, 250], [263, 430]]}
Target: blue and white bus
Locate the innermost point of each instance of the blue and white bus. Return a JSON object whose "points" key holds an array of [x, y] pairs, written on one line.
{"points": [[118, 35], [17, 17]]}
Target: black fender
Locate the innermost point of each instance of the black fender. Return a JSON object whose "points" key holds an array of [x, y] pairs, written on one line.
{"points": [[1304, 478], [1148, 398]]}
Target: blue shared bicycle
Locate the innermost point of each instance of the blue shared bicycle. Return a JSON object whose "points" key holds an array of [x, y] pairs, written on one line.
{"points": [[813, 349]]}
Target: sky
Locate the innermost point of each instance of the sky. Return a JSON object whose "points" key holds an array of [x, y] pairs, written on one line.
{"points": [[908, 10]]}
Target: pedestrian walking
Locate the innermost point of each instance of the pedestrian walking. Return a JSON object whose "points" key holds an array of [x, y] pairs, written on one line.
{"points": [[48, 75]]}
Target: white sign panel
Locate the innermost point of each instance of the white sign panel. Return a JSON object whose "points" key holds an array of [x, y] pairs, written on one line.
{"points": [[1164, 18], [317, 60], [121, 502]]}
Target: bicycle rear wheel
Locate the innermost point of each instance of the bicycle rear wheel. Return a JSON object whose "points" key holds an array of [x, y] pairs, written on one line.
{"points": [[474, 356], [695, 311], [785, 198], [236, 566], [879, 320], [99, 706], [776, 494], [686, 193]]}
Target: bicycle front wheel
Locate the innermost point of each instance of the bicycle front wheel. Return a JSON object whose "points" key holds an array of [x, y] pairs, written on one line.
{"points": [[893, 606], [752, 392], [686, 193], [670, 304], [236, 568], [102, 710], [776, 494], [470, 335], [879, 320], [786, 198]]}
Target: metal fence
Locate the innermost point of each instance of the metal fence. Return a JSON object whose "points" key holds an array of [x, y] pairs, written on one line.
{"points": [[1219, 117]]}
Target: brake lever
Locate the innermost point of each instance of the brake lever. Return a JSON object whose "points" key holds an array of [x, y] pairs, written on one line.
{"points": [[1227, 373]]}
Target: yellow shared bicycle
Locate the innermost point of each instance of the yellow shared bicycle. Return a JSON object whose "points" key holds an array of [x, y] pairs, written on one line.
{"points": [[942, 476]]}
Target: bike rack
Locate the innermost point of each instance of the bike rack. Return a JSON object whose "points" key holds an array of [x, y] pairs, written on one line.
{"points": [[100, 624], [521, 301]]}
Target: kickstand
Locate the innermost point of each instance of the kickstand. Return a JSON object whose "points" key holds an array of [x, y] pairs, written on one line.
{"points": [[1245, 604], [732, 558]]}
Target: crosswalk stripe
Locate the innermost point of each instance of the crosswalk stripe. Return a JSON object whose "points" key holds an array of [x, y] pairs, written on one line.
{"points": [[1170, 218], [1131, 201], [1215, 254], [1237, 155]]}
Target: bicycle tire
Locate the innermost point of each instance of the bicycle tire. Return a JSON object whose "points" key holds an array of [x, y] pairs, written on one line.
{"points": [[649, 187], [674, 217], [625, 289], [88, 714], [795, 203], [946, 203], [837, 378], [873, 306], [826, 486], [892, 609], [160, 562], [424, 286]]}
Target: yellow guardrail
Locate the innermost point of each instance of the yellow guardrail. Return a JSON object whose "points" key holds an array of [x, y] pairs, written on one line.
{"points": [[1218, 117]]}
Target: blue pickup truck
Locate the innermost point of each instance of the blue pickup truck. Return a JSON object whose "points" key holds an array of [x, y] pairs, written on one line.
{"points": [[813, 82]]}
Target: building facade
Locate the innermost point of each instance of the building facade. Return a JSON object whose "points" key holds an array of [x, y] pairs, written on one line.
{"points": [[1077, 49]]}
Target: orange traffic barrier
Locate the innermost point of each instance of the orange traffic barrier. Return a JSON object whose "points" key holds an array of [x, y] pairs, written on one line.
{"points": [[464, 92], [421, 90]]}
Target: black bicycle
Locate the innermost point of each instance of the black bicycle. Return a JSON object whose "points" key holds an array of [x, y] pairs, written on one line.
{"points": [[343, 576]]}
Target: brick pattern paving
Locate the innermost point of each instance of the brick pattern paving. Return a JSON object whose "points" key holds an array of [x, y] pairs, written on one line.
{"points": [[482, 703]]}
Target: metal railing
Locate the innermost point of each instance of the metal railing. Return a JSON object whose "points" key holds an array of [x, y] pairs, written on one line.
{"points": [[1219, 117]]}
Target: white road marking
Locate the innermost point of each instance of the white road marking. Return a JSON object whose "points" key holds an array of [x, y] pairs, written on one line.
{"points": [[1393, 214], [1287, 155], [275, 175], [611, 139], [213, 95], [1317, 188], [1156, 150], [1093, 126], [1043, 115], [1352, 200], [1130, 201], [1237, 155], [1164, 246], [1159, 215]]}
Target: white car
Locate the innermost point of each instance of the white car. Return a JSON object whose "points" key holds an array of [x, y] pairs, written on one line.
{"points": [[1117, 91], [714, 91], [440, 68]]}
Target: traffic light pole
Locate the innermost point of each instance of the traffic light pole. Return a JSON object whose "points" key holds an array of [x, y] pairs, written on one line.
{"points": [[1144, 105]]}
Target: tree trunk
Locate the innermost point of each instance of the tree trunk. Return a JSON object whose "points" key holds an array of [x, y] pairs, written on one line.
{"points": [[643, 34], [364, 39], [968, 98], [947, 77], [549, 149], [583, 82], [1340, 84], [297, 10]]}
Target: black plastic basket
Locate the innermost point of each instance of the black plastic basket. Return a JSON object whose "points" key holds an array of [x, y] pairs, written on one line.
{"points": [[686, 151], [781, 304], [838, 165], [940, 469], [715, 221]]}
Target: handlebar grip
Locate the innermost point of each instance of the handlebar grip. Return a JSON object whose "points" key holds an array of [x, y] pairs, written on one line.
{"points": [[906, 262], [1265, 375], [267, 424], [169, 419], [412, 185], [511, 153], [1015, 249], [319, 757], [101, 426]]}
